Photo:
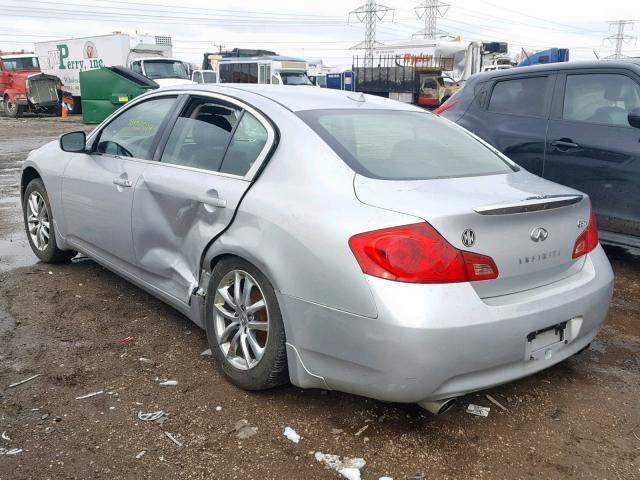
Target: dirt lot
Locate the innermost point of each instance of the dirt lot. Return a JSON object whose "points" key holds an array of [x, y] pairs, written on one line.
{"points": [[579, 419]]}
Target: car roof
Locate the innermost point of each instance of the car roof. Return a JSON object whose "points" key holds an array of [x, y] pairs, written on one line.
{"points": [[298, 98], [633, 64]]}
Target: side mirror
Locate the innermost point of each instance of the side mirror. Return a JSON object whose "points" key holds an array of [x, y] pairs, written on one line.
{"points": [[634, 118], [73, 142]]}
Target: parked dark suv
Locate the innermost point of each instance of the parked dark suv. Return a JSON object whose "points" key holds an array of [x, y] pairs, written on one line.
{"points": [[577, 124]]}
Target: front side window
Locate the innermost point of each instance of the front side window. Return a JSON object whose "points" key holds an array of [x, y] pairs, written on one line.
{"points": [[132, 132], [604, 98], [403, 145], [202, 134], [135, 66], [521, 96]]}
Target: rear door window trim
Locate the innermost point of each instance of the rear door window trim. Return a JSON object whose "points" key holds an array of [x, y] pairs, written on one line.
{"points": [[265, 153]]}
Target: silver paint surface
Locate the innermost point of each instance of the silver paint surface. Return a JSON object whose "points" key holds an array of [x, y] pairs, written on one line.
{"points": [[345, 330]]}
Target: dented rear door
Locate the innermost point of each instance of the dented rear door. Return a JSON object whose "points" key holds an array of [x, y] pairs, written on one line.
{"points": [[189, 196]]}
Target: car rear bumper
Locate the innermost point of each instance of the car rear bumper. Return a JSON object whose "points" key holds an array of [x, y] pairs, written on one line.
{"points": [[437, 341]]}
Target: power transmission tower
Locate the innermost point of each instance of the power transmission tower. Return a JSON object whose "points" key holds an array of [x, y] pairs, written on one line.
{"points": [[430, 10], [369, 14], [620, 37]]}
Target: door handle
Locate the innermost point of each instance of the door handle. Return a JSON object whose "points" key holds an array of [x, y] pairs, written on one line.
{"points": [[564, 143], [212, 201], [122, 182]]}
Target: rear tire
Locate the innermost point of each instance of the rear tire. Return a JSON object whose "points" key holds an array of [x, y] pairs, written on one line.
{"points": [[39, 225], [248, 342]]}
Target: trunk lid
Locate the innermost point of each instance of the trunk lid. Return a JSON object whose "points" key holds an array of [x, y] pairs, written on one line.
{"points": [[505, 213]]}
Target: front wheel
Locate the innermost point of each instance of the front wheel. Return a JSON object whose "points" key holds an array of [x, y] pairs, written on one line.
{"points": [[11, 109], [38, 223], [244, 326]]}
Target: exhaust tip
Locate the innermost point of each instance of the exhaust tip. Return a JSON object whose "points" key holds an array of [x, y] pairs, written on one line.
{"points": [[438, 407]]}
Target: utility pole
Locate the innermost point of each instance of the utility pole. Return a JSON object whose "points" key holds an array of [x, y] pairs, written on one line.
{"points": [[369, 14], [620, 37], [220, 46], [430, 10]]}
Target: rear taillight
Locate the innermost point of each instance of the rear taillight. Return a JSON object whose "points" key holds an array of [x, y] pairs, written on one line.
{"points": [[588, 240], [446, 106], [417, 253]]}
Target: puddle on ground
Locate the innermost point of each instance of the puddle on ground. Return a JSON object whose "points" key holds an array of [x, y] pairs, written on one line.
{"points": [[12, 201], [14, 253]]}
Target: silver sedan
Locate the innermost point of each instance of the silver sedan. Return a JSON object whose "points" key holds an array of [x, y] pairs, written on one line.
{"points": [[330, 239]]}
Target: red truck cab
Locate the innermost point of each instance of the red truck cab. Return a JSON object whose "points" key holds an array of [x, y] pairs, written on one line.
{"points": [[23, 87]]}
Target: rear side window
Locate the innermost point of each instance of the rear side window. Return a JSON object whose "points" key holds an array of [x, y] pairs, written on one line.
{"points": [[604, 98], [247, 143], [403, 145], [201, 135], [521, 96], [216, 136]]}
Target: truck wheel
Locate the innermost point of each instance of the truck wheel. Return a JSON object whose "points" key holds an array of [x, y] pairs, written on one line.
{"points": [[11, 109]]}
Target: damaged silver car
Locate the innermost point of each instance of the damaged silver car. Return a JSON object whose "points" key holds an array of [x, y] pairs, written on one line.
{"points": [[331, 239]]}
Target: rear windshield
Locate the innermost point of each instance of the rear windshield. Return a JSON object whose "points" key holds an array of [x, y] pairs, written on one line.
{"points": [[403, 145]]}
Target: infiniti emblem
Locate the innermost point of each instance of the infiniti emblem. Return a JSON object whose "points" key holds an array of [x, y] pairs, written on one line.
{"points": [[468, 238], [539, 234]]}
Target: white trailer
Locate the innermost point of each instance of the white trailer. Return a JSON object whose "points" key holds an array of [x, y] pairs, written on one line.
{"points": [[149, 55]]}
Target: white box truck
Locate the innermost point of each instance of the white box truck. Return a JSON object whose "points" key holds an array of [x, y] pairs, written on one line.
{"points": [[149, 55]]}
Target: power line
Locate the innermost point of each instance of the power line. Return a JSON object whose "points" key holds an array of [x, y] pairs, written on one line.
{"points": [[369, 14], [430, 10], [173, 9], [620, 37], [534, 17], [90, 14]]}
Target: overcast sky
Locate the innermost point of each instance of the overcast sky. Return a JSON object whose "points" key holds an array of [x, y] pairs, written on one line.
{"points": [[317, 29]]}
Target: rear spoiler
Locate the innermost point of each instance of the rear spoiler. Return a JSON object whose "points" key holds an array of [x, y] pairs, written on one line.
{"points": [[530, 204]]}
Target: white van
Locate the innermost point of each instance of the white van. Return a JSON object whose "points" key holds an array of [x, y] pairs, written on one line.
{"points": [[274, 69]]}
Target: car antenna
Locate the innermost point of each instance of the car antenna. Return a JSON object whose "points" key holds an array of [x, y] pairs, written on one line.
{"points": [[357, 98]]}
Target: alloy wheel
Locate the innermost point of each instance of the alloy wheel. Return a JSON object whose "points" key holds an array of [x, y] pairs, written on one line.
{"points": [[241, 319], [38, 221]]}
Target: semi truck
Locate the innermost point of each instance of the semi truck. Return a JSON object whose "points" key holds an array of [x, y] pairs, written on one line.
{"points": [[24, 88], [149, 55], [552, 55]]}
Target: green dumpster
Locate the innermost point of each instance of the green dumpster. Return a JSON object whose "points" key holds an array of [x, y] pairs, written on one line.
{"points": [[106, 89]]}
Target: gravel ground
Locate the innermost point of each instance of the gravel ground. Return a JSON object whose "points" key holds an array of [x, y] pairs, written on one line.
{"points": [[84, 330]]}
